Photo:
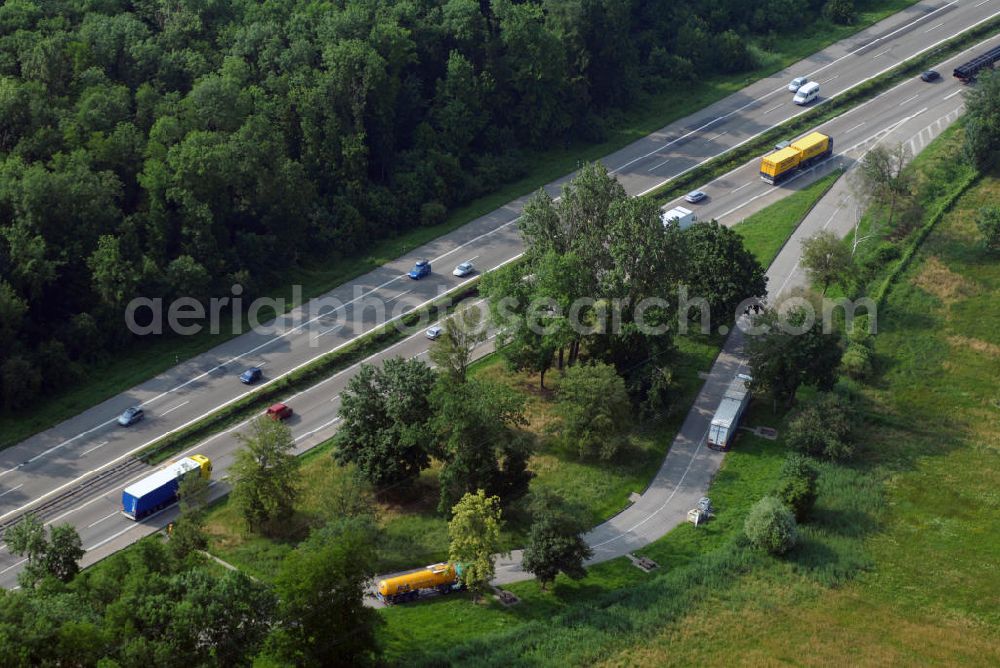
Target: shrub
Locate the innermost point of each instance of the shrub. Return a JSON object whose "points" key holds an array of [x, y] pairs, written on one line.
{"points": [[732, 53], [822, 428], [840, 11], [857, 361], [797, 486], [879, 259], [988, 222], [595, 410], [859, 332], [770, 526], [432, 213]]}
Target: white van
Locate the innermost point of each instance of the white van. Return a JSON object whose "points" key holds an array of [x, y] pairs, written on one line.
{"points": [[685, 217], [807, 93]]}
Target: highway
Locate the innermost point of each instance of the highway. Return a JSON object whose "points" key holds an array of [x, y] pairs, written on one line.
{"points": [[50, 465]]}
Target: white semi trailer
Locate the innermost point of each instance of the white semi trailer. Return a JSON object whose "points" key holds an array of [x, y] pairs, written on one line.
{"points": [[727, 416]]}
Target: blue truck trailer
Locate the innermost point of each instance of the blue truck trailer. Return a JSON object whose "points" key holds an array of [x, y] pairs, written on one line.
{"points": [[159, 490]]}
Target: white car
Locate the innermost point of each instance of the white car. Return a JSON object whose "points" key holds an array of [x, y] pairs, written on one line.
{"points": [[464, 269], [695, 196], [434, 332], [797, 83]]}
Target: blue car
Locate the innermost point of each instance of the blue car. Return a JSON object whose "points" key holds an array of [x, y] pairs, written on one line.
{"points": [[420, 269], [131, 415], [251, 375]]}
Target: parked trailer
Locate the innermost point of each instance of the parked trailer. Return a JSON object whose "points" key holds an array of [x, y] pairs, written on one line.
{"points": [[443, 578], [727, 416], [159, 490], [968, 71], [777, 166]]}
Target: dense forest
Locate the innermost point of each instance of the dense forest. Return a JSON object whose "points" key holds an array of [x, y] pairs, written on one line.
{"points": [[175, 147]]}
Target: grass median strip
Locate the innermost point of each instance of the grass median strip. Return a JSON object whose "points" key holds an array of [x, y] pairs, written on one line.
{"points": [[766, 232]]}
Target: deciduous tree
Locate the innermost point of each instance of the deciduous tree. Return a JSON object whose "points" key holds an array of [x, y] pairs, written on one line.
{"points": [[823, 428], [188, 534], [721, 270], [594, 408], [474, 531], [797, 485], [883, 179], [474, 429], [57, 556], [982, 120], [463, 333], [791, 349], [321, 586], [385, 412], [988, 222], [826, 259], [265, 475], [555, 544], [770, 526]]}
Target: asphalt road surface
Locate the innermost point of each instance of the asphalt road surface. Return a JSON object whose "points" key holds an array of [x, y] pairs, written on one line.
{"points": [[52, 466]]}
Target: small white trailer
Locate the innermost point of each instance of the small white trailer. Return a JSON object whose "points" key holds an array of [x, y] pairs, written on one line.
{"points": [[727, 416], [684, 217]]}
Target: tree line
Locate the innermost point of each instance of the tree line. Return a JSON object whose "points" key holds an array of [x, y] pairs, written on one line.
{"points": [[167, 148]]}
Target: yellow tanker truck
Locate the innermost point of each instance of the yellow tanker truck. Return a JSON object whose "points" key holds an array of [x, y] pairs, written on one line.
{"points": [[778, 166], [443, 578]]}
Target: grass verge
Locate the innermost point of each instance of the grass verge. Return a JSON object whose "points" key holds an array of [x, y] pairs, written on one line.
{"points": [[140, 362], [766, 232]]}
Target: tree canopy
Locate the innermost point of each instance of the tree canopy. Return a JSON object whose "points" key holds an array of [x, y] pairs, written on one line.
{"points": [[56, 556], [263, 474], [475, 434], [385, 412], [594, 408], [982, 125], [474, 531], [792, 349], [826, 259], [555, 541]]}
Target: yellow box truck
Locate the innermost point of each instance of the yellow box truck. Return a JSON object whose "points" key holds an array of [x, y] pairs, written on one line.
{"points": [[778, 166]]}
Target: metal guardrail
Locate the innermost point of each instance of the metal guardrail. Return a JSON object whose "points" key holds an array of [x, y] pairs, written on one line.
{"points": [[100, 481]]}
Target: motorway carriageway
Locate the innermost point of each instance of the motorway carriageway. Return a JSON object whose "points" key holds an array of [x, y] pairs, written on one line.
{"points": [[50, 461]]}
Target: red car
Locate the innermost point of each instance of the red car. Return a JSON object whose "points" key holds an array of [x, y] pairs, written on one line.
{"points": [[279, 412]]}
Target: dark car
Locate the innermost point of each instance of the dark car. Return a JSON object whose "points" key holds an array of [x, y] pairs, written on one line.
{"points": [[251, 375], [420, 269], [130, 416], [930, 75], [279, 412]]}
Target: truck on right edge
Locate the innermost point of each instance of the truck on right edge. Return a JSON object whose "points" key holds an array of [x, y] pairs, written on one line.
{"points": [[966, 72], [777, 166]]}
